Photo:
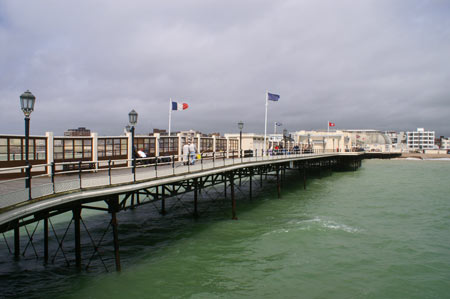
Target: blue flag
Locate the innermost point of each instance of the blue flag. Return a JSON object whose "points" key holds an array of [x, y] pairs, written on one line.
{"points": [[273, 97]]}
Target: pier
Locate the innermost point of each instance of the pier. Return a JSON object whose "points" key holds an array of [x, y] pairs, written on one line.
{"points": [[145, 181]]}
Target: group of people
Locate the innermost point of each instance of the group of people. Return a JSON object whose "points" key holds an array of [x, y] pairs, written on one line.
{"points": [[189, 153]]}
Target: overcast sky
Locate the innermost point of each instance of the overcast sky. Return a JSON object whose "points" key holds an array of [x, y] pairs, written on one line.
{"points": [[381, 64]]}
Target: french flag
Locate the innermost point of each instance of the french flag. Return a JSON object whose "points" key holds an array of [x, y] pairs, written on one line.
{"points": [[179, 106]]}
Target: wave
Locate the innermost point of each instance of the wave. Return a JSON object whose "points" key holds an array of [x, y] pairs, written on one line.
{"points": [[323, 224]]}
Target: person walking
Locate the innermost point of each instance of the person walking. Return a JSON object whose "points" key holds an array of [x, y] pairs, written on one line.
{"points": [[185, 153], [192, 152]]}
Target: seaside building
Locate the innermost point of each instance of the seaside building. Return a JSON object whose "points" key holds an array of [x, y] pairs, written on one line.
{"points": [[250, 141], [420, 139], [445, 143], [398, 140], [322, 140]]}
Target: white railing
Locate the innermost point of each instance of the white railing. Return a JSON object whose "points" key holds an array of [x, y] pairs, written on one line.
{"points": [[69, 176]]}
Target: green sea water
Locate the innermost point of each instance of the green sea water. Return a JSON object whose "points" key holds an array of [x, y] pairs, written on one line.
{"points": [[382, 231]]}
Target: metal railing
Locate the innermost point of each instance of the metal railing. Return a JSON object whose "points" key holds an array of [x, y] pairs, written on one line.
{"points": [[69, 176]]}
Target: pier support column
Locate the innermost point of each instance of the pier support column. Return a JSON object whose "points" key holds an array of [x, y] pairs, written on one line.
{"points": [[278, 181], [163, 200], [114, 209], [251, 183], [46, 240], [195, 197], [77, 217], [224, 178], [233, 199], [261, 176], [17, 241], [304, 177]]}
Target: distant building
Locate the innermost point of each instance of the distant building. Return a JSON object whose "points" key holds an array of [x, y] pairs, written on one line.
{"points": [[420, 139], [398, 139], [445, 143], [81, 131]]}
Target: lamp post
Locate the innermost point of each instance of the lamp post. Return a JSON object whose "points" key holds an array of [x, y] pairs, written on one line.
{"points": [[27, 100], [240, 126], [285, 132], [132, 118]]}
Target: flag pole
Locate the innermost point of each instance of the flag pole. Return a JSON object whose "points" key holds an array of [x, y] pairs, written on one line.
{"points": [[170, 114], [275, 128], [265, 122]]}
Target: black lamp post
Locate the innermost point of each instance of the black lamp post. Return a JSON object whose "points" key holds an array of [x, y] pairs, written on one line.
{"points": [[285, 132], [132, 118], [27, 100], [241, 126]]}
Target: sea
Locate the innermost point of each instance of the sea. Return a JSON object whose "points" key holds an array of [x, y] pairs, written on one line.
{"points": [[382, 231]]}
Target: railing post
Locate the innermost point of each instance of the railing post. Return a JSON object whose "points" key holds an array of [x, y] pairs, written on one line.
{"points": [[214, 159], [201, 160], [189, 162], [29, 180], [224, 159], [79, 172], [109, 171], [53, 168], [232, 155], [173, 164], [156, 167]]}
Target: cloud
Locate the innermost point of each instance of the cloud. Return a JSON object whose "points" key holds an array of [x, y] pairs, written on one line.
{"points": [[361, 64]]}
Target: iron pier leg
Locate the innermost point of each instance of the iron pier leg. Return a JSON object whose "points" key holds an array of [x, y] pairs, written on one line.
{"points": [[250, 180], [304, 177], [17, 241], [240, 177], [132, 200], [195, 197], [224, 186], [46, 240], [233, 199], [77, 217], [261, 177], [114, 207], [278, 181], [163, 201]]}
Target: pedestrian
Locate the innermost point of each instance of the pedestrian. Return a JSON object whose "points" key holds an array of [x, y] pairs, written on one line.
{"points": [[185, 153], [192, 152]]}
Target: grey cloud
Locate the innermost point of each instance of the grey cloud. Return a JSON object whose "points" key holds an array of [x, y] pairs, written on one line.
{"points": [[361, 64]]}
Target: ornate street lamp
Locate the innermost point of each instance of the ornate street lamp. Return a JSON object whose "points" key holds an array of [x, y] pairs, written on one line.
{"points": [[285, 134], [240, 126], [27, 100], [132, 118]]}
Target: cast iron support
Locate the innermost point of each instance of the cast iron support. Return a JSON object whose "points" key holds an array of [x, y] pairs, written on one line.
{"points": [[77, 217], [17, 241], [114, 207], [233, 199], [46, 240], [195, 197], [278, 181], [163, 201]]}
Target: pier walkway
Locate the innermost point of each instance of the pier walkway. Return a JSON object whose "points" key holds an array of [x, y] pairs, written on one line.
{"points": [[120, 188]]}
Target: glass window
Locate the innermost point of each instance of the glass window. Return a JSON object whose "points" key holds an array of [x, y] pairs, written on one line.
{"points": [[68, 149], [15, 149], [41, 149], [78, 149]]}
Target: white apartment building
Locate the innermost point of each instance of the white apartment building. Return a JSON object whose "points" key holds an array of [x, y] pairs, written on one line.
{"points": [[420, 139], [445, 143]]}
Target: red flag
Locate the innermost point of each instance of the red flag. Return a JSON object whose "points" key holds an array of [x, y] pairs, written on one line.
{"points": [[331, 124]]}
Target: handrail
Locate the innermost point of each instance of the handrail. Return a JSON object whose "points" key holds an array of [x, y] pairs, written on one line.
{"points": [[116, 173]]}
